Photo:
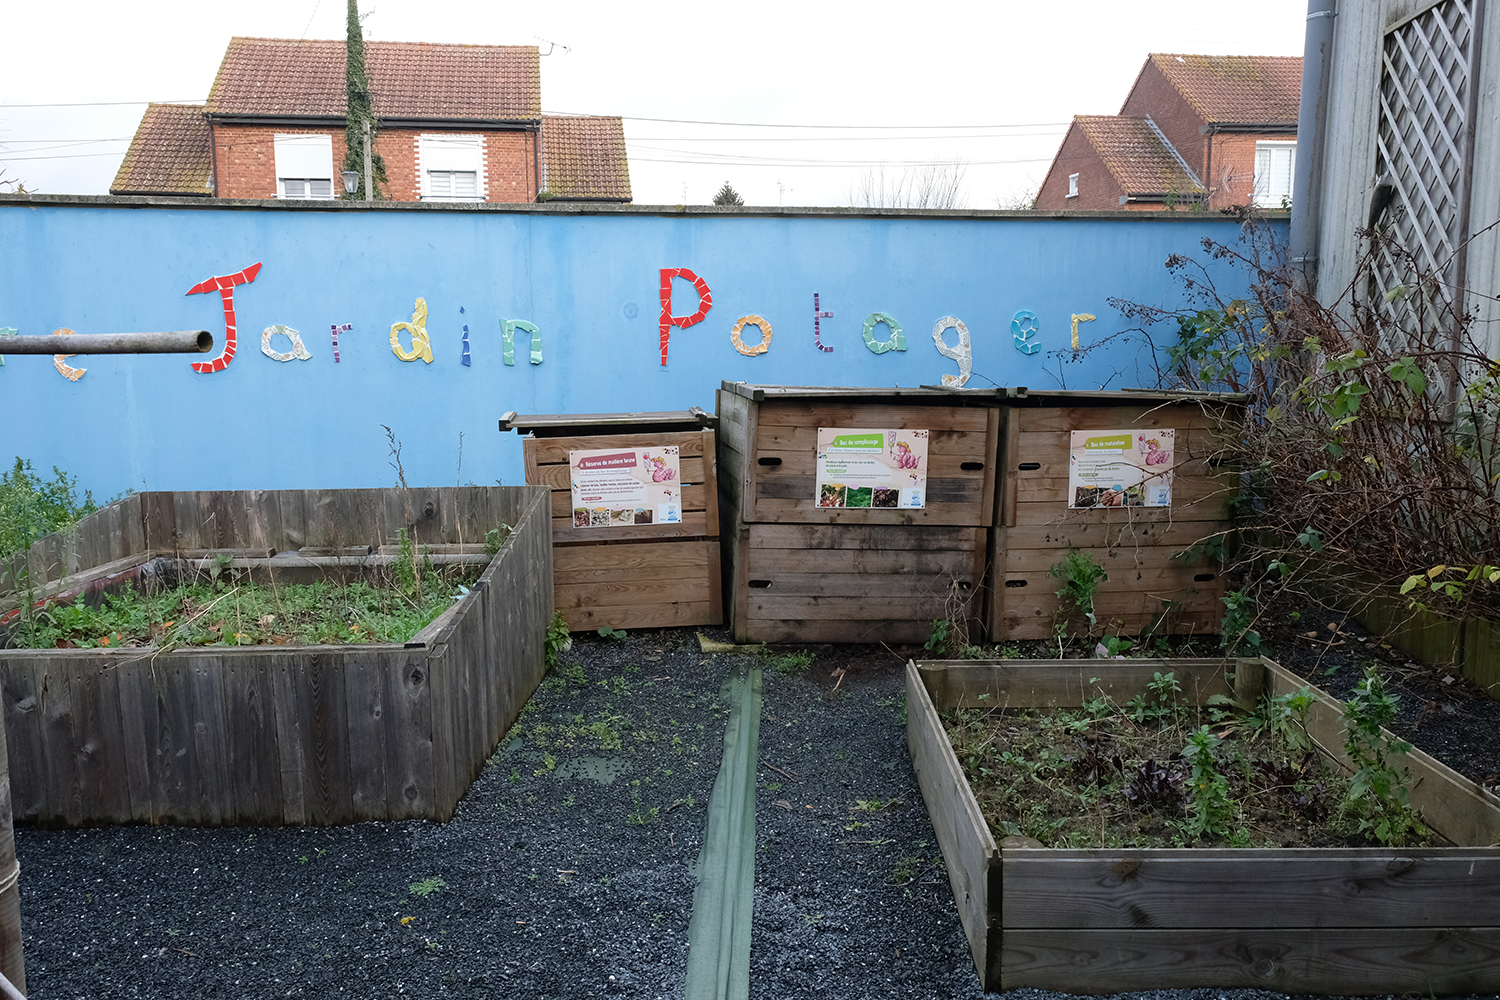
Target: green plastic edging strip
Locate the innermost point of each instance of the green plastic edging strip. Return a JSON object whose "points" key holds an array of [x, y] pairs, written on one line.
{"points": [[718, 966]]}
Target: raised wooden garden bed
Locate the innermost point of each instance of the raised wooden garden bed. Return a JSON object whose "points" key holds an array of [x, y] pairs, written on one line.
{"points": [[799, 570], [313, 735], [1317, 920], [1149, 586], [630, 575]]}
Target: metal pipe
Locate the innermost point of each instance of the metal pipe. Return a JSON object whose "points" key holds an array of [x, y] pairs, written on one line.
{"points": [[173, 342], [1312, 127]]}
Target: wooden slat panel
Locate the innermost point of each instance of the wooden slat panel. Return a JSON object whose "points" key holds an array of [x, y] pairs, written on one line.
{"points": [[1327, 887], [772, 582], [897, 416], [1425, 961], [210, 744], [829, 536], [879, 562], [638, 615], [411, 786], [1214, 508], [643, 560], [329, 800], [962, 833], [254, 763], [365, 697], [1067, 683], [103, 788], [1099, 418], [177, 779], [678, 590], [847, 630], [138, 727], [910, 607], [1028, 613], [554, 451], [1172, 536], [23, 736]]}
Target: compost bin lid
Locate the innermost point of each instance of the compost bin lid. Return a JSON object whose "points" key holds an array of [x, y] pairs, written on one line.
{"points": [[581, 424], [926, 393]]}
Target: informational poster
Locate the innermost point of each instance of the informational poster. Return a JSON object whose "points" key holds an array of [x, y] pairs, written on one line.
{"points": [[615, 487], [1126, 468], [861, 467]]}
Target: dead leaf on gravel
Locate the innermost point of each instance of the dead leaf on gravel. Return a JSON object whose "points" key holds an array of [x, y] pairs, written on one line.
{"points": [[783, 803]]}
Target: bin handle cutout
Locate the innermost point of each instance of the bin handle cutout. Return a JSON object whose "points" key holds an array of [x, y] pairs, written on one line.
{"points": [[768, 460], [759, 584], [1029, 466], [1015, 583], [971, 466], [1203, 577]]}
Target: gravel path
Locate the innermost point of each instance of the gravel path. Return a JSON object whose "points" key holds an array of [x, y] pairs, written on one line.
{"points": [[567, 871]]}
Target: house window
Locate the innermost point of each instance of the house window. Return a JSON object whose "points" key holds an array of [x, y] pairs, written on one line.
{"points": [[1072, 185], [452, 167], [304, 166], [1275, 162]]}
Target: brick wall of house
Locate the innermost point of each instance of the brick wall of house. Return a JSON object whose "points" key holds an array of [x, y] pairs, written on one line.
{"points": [[245, 162], [1154, 96], [1097, 188]]}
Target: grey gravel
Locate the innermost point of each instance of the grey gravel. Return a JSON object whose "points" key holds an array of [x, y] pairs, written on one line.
{"points": [[567, 871]]}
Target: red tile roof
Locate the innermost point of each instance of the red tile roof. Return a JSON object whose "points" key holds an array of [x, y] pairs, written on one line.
{"points": [[1137, 155], [408, 80], [169, 154], [585, 159], [1236, 89]]}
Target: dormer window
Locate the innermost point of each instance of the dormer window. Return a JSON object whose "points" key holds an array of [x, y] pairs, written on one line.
{"points": [[1072, 185]]}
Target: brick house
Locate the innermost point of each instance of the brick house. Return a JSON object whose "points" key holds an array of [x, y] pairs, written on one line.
{"points": [[1218, 130], [457, 123]]}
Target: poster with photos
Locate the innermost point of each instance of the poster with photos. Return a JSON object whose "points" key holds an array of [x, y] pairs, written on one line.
{"points": [[1123, 468], [614, 487], [864, 467]]}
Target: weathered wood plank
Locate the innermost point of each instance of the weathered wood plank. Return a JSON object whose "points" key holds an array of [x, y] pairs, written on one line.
{"points": [[627, 616], [329, 798], [255, 766], [210, 746], [969, 850], [138, 727], [293, 737], [23, 736], [676, 590], [839, 536], [364, 690], [1322, 888], [1062, 419], [1067, 683], [177, 765], [554, 450], [914, 415], [1427, 961], [410, 781], [103, 787]]}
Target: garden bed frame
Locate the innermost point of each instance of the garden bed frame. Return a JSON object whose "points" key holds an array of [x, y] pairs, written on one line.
{"points": [[1313, 920], [270, 735]]}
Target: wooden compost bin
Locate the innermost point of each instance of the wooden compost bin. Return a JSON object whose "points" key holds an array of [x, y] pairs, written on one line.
{"points": [[1148, 586], [640, 575], [1309, 920], [796, 571], [313, 735]]}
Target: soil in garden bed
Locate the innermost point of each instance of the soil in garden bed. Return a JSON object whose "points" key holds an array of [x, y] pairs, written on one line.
{"points": [[1152, 774], [241, 613]]}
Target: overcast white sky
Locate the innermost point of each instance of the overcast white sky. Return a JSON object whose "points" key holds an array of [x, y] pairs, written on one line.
{"points": [[992, 84]]}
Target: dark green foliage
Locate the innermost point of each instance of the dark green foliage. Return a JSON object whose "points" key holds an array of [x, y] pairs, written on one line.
{"points": [[728, 196], [1377, 792], [361, 110], [31, 506]]}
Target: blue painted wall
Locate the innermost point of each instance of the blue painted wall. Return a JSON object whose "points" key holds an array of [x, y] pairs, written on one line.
{"points": [[589, 281]]}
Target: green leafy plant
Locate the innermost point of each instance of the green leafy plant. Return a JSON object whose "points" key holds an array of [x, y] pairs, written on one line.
{"points": [[494, 538], [1081, 575], [1235, 629], [1377, 793], [559, 639], [610, 632], [937, 641], [1209, 806], [1286, 717], [427, 886], [1164, 700], [792, 664]]}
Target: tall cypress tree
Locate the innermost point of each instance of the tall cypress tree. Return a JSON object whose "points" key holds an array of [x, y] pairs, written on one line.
{"points": [[360, 110]]}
